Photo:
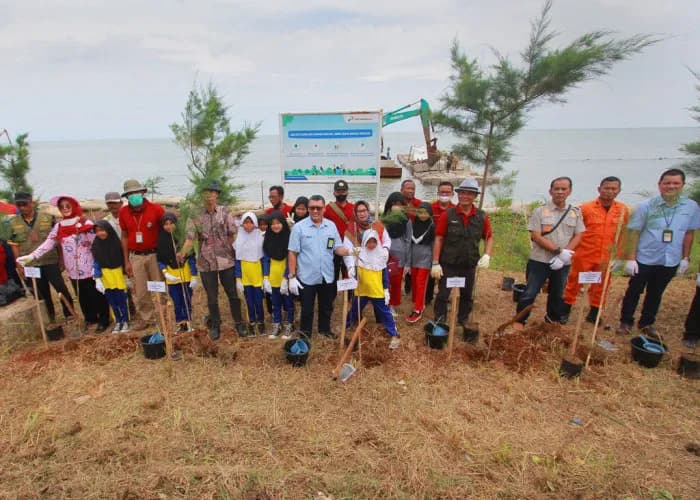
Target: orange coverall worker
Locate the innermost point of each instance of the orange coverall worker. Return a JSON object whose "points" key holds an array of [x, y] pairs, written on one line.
{"points": [[593, 252]]}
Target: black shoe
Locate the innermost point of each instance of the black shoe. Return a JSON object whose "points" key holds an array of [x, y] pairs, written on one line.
{"points": [[328, 335], [592, 315], [214, 332], [101, 329], [565, 313], [244, 331]]}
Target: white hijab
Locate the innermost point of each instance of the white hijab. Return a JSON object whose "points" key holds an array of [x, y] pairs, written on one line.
{"points": [[374, 260], [249, 245]]}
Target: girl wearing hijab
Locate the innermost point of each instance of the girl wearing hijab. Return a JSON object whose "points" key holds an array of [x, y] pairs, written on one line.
{"points": [[249, 272], [108, 271], [372, 284], [275, 246], [300, 210], [396, 224], [75, 235], [181, 278], [422, 232]]}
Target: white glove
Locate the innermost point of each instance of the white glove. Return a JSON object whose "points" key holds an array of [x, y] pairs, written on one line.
{"points": [[436, 271], [24, 260], [99, 285], [555, 264], [239, 286], [194, 283], [683, 266], [387, 297], [284, 287], [356, 251], [267, 287], [294, 286], [169, 277], [565, 256], [352, 272], [129, 284], [631, 267], [484, 261]]}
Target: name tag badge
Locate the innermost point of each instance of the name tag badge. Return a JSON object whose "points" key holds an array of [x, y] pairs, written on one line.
{"points": [[330, 244], [139, 237], [667, 236]]}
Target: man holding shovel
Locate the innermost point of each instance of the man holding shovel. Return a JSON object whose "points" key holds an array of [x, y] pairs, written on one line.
{"points": [[660, 235], [601, 217], [555, 230], [458, 232]]}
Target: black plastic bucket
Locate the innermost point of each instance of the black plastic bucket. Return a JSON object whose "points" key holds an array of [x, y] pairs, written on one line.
{"points": [[470, 332], [54, 334], [293, 358], [689, 366], [518, 290], [647, 357], [570, 367], [435, 341], [507, 283], [152, 351]]}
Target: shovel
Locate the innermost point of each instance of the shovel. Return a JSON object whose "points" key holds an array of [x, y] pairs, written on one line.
{"points": [[571, 366]]}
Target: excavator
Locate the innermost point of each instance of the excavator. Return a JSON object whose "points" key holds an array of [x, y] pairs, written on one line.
{"points": [[422, 109]]}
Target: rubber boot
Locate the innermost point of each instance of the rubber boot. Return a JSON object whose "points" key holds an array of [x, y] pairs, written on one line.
{"points": [[215, 331]]}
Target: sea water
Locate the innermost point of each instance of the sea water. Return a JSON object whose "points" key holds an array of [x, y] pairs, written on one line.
{"points": [[88, 169]]}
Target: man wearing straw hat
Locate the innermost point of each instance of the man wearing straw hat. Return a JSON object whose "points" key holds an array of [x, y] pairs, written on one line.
{"points": [[458, 232], [214, 229], [140, 224], [601, 218]]}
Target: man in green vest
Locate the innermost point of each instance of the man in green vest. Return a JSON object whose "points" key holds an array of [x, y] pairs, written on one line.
{"points": [[458, 232], [29, 230]]}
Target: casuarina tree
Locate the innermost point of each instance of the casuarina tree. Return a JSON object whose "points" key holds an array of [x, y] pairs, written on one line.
{"points": [[692, 164], [488, 107], [213, 150], [14, 165]]}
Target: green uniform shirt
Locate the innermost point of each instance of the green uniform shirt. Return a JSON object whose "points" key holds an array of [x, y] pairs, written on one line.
{"points": [[29, 235]]}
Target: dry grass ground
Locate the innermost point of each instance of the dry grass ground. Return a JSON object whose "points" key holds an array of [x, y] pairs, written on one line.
{"points": [[94, 419]]}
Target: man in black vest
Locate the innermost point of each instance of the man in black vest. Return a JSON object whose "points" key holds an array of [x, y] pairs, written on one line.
{"points": [[458, 232]]}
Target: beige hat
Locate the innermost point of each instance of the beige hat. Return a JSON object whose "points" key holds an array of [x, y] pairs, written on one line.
{"points": [[113, 197], [133, 186]]}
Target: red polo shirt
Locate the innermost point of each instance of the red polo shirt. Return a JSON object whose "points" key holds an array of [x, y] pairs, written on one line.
{"points": [[286, 209], [438, 210], [348, 210], [146, 222], [441, 226]]}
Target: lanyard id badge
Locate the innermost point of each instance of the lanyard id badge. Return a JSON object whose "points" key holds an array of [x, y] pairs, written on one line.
{"points": [[139, 237], [330, 244], [667, 235]]}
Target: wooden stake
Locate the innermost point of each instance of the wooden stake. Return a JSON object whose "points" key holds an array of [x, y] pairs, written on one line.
{"points": [[579, 322], [38, 313], [68, 305], [164, 328], [348, 350], [454, 298], [341, 346]]}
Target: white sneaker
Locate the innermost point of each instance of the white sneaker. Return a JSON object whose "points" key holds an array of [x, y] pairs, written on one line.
{"points": [[124, 328], [117, 327], [287, 331], [276, 330], [395, 343]]}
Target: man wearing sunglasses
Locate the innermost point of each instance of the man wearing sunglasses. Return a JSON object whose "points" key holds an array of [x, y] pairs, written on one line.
{"points": [[29, 230], [312, 245]]}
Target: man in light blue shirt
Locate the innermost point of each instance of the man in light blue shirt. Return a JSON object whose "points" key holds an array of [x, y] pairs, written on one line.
{"points": [[661, 232], [312, 244]]}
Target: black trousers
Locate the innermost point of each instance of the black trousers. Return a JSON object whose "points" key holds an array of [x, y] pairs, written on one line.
{"points": [[325, 293], [50, 273], [210, 282], [93, 304], [692, 322], [655, 279], [465, 295]]}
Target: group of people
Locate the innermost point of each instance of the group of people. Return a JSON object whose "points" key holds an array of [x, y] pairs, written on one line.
{"points": [[298, 252]]}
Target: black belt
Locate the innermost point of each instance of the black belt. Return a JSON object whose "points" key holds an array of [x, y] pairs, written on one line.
{"points": [[144, 252]]}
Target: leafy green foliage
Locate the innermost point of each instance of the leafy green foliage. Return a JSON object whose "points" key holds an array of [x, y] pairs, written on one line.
{"points": [[488, 108], [14, 166], [212, 149], [503, 191], [692, 149], [153, 185]]}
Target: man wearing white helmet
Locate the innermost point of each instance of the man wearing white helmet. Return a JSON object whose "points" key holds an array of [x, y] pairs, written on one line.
{"points": [[458, 232]]}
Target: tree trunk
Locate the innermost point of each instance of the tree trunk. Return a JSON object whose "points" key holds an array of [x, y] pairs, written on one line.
{"points": [[487, 163]]}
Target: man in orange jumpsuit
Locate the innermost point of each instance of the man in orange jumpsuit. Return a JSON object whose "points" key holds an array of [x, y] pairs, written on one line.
{"points": [[600, 216]]}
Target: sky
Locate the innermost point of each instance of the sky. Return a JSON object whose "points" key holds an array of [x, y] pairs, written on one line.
{"points": [[75, 70]]}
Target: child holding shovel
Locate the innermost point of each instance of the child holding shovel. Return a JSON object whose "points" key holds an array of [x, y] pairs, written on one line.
{"points": [[275, 244], [249, 271], [373, 284], [108, 271], [181, 278]]}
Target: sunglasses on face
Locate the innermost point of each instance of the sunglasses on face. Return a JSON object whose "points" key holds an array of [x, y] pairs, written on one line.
{"points": [[314, 209]]}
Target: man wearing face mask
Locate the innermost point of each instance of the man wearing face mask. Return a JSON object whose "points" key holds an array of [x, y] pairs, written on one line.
{"points": [[140, 224]]}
